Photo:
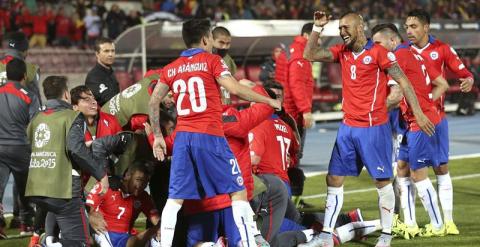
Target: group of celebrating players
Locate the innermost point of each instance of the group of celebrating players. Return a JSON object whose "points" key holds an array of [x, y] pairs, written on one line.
{"points": [[231, 170]]}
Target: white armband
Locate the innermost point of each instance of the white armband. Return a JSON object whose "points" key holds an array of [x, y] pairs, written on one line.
{"points": [[317, 29]]}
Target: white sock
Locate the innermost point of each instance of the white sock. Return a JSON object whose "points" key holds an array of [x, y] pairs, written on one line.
{"points": [[445, 194], [333, 206], [308, 234], [407, 200], [169, 220], [207, 244], [243, 216], [429, 200], [386, 204], [349, 231]]}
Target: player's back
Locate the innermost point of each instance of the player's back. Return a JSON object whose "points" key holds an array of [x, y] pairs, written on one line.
{"points": [[414, 67], [192, 78], [273, 140]]}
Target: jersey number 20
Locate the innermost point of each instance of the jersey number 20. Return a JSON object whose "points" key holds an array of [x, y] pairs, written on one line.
{"points": [[193, 85]]}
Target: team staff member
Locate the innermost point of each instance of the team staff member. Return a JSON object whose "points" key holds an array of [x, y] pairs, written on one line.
{"points": [[18, 107], [441, 56], [99, 124], [222, 40], [100, 79], [18, 48], [298, 97], [59, 152]]}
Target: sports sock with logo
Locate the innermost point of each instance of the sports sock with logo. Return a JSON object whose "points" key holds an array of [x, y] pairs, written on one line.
{"points": [[243, 216], [445, 194], [333, 206], [386, 204], [349, 231], [407, 199], [169, 220], [428, 195]]}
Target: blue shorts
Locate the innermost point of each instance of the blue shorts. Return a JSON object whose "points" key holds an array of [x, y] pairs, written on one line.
{"points": [[209, 226], [419, 149], [441, 131], [203, 166], [356, 147], [118, 239]]}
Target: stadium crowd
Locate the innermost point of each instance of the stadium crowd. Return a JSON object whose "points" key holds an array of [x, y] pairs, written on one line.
{"points": [[223, 169], [78, 23]]}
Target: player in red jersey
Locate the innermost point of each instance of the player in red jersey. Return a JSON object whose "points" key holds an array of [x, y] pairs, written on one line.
{"points": [[364, 137], [441, 56], [113, 214], [417, 150], [202, 164]]}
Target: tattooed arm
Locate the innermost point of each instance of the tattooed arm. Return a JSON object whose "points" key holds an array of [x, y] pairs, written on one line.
{"points": [[313, 51], [423, 122], [394, 97], [159, 147]]}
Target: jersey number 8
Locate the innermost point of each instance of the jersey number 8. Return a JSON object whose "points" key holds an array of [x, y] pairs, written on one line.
{"points": [[181, 87]]}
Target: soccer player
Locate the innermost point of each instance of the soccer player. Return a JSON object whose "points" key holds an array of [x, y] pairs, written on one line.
{"points": [[417, 151], [202, 164], [112, 214], [441, 56], [364, 137]]}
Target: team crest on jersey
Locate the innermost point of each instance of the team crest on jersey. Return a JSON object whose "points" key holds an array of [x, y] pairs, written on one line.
{"points": [[367, 60], [42, 135], [132, 90], [391, 56], [137, 204], [240, 180], [434, 55]]}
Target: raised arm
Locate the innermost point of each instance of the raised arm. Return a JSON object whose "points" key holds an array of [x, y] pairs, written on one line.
{"points": [[246, 93], [159, 147], [313, 51], [423, 122]]}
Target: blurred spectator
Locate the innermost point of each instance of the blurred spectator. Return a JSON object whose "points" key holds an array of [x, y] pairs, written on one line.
{"points": [[50, 24], [78, 30], [40, 21], [133, 18], [268, 67], [81, 8], [63, 28], [93, 25], [24, 21], [168, 6], [100, 6], [116, 21]]}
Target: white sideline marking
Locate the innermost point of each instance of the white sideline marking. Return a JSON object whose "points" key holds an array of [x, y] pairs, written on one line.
{"points": [[373, 189], [453, 157]]}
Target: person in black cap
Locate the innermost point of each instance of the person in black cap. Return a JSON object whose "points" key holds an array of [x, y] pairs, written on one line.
{"points": [[17, 47]]}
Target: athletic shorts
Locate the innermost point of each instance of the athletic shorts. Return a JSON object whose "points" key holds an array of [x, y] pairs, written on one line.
{"points": [[209, 226], [112, 239], [420, 150], [358, 147], [203, 166], [441, 131]]}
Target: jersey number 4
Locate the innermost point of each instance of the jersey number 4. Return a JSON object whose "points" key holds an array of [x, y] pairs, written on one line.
{"points": [[193, 85]]}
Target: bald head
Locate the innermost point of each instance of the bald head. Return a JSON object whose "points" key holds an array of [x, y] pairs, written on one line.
{"points": [[351, 29]]}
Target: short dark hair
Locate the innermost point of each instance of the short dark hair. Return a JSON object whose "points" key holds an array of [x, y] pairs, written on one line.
{"points": [[140, 166], [101, 41], [387, 27], [54, 87], [165, 118], [421, 15], [16, 69], [220, 31], [194, 30], [271, 84], [307, 28], [76, 93]]}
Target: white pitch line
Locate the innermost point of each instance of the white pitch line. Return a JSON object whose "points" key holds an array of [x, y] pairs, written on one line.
{"points": [[373, 189]]}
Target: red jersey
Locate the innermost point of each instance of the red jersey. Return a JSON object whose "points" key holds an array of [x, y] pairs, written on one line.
{"points": [[364, 83], [441, 55], [192, 78], [237, 124], [420, 76], [120, 210], [280, 140]]}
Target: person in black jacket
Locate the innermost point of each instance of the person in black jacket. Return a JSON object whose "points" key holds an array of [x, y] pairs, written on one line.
{"points": [[101, 79]]}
